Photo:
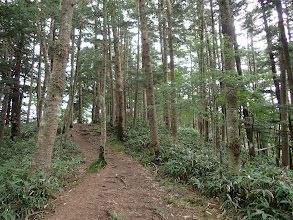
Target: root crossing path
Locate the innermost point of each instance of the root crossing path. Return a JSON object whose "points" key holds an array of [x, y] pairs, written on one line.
{"points": [[124, 190]]}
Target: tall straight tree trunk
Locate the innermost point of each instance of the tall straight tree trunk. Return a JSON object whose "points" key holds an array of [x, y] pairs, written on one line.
{"points": [[111, 80], [164, 50], [16, 95], [135, 111], [80, 103], [120, 116], [5, 104], [202, 87], [284, 42], [39, 89], [230, 86], [73, 81], [50, 117], [152, 115], [44, 51], [172, 69], [284, 114], [103, 86], [31, 88]]}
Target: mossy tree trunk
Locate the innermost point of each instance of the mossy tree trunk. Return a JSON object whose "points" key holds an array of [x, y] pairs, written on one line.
{"points": [[50, 117], [230, 87]]}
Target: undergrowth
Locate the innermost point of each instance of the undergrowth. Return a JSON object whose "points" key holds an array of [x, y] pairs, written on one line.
{"points": [[96, 166], [259, 191], [23, 196]]}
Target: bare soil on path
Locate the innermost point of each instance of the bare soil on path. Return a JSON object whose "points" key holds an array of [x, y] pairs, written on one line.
{"points": [[125, 190]]}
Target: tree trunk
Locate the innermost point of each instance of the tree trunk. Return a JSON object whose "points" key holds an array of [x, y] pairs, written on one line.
{"points": [[164, 50], [16, 95], [111, 80], [172, 70], [154, 137], [284, 114], [103, 86], [96, 104], [80, 103], [284, 42], [39, 89], [135, 111], [120, 116], [234, 147], [6, 92], [50, 117], [31, 88]]}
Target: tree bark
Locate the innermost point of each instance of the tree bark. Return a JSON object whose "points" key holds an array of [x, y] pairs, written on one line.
{"points": [[135, 111], [103, 86], [31, 88], [284, 43], [80, 103], [172, 70], [120, 116], [164, 50], [16, 95], [50, 117], [234, 147], [154, 137], [111, 80], [284, 114]]}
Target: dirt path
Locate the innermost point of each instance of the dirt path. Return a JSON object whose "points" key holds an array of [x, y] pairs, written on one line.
{"points": [[123, 190]]}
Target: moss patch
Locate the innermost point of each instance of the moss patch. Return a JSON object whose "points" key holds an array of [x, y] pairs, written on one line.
{"points": [[96, 166]]}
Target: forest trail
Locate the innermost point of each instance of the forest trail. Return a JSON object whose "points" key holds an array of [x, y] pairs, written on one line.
{"points": [[124, 190]]}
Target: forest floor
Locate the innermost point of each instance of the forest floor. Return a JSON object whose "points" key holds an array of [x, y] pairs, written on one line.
{"points": [[125, 190]]}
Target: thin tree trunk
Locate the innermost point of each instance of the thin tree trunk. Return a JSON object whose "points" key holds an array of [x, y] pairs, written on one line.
{"points": [[120, 116], [80, 103], [39, 89], [137, 72], [154, 137], [73, 81], [234, 147], [31, 88], [16, 95], [164, 50], [284, 114], [50, 117], [111, 80], [6, 91], [103, 86], [172, 70]]}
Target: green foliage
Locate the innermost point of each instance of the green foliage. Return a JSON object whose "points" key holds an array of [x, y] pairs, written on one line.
{"points": [[259, 191], [22, 195], [96, 166]]}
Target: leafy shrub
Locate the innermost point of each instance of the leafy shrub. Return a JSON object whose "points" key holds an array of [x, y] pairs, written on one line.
{"points": [[21, 195], [259, 191]]}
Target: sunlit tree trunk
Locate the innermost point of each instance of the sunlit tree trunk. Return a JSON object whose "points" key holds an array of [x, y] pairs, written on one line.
{"points": [[230, 87], [50, 117], [154, 137]]}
